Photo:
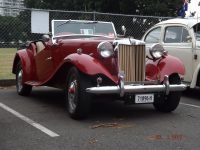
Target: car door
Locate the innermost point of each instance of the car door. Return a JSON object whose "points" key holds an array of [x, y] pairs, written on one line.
{"points": [[175, 40], [43, 60]]}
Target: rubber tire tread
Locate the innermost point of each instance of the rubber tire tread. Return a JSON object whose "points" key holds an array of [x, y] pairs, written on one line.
{"points": [[26, 89], [168, 103], [84, 99]]}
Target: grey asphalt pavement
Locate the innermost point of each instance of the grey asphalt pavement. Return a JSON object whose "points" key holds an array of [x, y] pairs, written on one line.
{"points": [[110, 126]]}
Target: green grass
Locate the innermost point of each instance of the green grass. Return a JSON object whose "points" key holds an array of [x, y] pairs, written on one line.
{"points": [[6, 62]]}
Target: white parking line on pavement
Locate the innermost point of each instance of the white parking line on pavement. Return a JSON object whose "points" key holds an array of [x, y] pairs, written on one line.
{"points": [[29, 121], [191, 105]]}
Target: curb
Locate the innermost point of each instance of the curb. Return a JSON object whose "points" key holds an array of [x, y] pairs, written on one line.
{"points": [[7, 82]]}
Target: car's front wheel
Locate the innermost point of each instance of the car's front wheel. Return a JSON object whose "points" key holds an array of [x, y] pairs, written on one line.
{"points": [[22, 89], [168, 103], [77, 99]]}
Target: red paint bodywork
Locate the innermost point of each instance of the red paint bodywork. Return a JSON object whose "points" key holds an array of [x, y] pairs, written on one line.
{"points": [[40, 68], [156, 70]]}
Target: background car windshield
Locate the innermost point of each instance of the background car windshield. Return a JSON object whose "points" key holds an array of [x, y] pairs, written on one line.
{"points": [[197, 31], [85, 28], [153, 36]]}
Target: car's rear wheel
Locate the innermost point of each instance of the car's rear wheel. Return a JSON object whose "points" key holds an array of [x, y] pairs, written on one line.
{"points": [[168, 103], [77, 99], [22, 89]]}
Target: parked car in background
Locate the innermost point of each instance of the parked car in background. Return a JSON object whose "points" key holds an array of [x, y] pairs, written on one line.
{"points": [[181, 38], [87, 59]]}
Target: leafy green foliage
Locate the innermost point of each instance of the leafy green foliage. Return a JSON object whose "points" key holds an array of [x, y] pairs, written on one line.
{"points": [[140, 7], [9, 25]]}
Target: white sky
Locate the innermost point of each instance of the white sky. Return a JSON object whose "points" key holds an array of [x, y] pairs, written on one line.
{"points": [[193, 6]]}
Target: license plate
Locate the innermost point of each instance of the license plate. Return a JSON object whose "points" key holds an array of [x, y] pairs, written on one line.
{"points": [[144, 98]]}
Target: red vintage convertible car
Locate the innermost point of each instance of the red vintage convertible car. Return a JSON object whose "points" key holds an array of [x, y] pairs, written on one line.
{"points": [[88, 59]]}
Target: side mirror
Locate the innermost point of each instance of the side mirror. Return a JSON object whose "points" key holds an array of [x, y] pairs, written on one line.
{"points": [[123, 30], [189, 38], [45, 38]]}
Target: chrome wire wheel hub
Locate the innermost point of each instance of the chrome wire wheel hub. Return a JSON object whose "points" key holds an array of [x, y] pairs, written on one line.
{"points": [[19, 81], [72, 96]]}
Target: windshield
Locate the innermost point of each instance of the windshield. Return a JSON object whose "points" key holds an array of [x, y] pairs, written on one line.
{"points": [[197, 31], [90, 28]]}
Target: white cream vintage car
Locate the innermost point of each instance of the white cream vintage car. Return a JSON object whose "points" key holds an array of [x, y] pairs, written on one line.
{"points": [[181, 38]]}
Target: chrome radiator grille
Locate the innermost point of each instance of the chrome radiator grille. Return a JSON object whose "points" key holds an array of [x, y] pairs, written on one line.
{"points": [[131, 59]]}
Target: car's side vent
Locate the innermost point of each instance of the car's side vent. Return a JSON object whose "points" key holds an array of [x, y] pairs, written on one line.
{"points": [[131, 59]]}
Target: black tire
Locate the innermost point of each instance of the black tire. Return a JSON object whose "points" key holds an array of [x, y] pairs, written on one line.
{"points": [[198, 80], [168, 103], [78, 101], [22, 89]]}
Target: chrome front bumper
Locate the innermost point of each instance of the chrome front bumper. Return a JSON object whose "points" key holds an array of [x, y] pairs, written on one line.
{"points": [[122, 89]]}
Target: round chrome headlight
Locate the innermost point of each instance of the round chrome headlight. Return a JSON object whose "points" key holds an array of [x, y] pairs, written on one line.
{"points": [[105, 49], [157, 51]]}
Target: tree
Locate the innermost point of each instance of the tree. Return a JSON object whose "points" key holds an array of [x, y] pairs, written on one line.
{"points": [[50, 4], [11, 29], [141, 7]]}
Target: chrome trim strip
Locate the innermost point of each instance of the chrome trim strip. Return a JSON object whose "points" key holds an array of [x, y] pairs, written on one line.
{"points": [[136, 89], [166, 82], [154, 82], [131, 60], [121, 85]]}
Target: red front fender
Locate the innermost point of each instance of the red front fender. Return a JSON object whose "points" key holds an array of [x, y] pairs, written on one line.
{"points": [[166, 66], [89, 65], [26, 60]]}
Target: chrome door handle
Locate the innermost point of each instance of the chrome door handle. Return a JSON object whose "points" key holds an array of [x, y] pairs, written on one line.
{"points": [[49, 58]]}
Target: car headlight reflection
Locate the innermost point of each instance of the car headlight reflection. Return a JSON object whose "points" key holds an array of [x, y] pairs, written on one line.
{"points": [[105, 49], [157, 51]]}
